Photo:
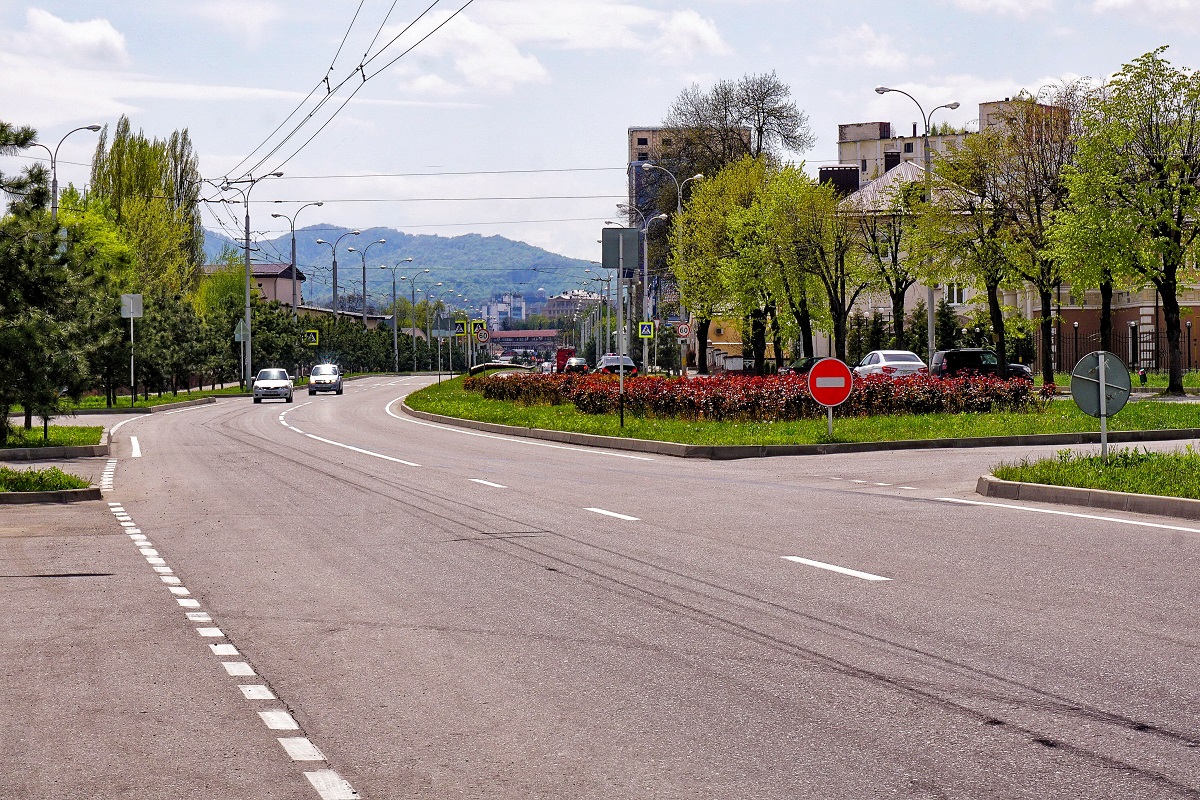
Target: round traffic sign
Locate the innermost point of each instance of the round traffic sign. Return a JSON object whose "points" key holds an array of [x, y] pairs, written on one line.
{"points": [[482, 335], [683, 330], [1085, 384], [829, 382]]}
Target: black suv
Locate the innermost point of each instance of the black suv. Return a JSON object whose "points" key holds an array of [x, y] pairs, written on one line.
{"points": [[951, 363]]}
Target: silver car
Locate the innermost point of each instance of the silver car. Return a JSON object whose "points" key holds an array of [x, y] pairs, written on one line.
{"points": [[325, 378], [273, 382], [893, 363]]}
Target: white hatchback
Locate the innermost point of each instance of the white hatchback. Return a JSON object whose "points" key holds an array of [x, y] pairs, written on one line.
{"points": [[893, 363]]}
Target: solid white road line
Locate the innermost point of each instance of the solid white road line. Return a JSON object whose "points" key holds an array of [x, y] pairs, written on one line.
{"points": [[1077, 515], [137, 448], [278, 720], [360, 450], [256, 692], [301, 749], [866, 576], [612, 514], [488, 483], [596, 451], [330, 785]]}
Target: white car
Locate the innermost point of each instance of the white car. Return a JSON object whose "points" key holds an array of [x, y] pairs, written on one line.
{"points": [[893, 363], [273, 383]]}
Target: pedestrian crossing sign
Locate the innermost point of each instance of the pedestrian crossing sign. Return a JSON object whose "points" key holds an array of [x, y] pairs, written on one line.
{"points": [[312, 338], [460, 327], [646, 330]]}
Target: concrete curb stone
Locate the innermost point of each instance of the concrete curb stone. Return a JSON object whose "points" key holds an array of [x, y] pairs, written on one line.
{"points": [[60, 496], [1183, 507]]}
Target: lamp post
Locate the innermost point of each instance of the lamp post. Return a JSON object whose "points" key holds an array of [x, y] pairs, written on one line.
{"points": [[604, 316], [245, 193], [437, 297], [363, 254], [1075, 325], [412, 283], [1133, 343], [645, 272], [428, 336], [292, 224], [333, 247], [395, 314], [1189, 334], [928, 187], [54, 167]]}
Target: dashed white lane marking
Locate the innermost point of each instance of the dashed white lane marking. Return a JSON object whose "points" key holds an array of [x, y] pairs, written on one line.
{"points": [[612, 514], [210, 632], [137, 448], [278, 720], [187, 602], [866, 576], [1074, 514], [171, 579], [256, 692], [852, 480], [488, 483], [238, 669], [330, 785], [883, 484], [301, 749], [909, 488], [223, 650], [156, 560], [178, 590], [198, 616], [596, 451]]}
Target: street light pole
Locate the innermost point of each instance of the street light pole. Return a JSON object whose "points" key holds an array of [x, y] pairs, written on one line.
{"points": [[333, 247], [928, 191], [54, 167], [412, 283], [292, 224], [363, 254], [250, 184], [395, 315], [645, 274]]}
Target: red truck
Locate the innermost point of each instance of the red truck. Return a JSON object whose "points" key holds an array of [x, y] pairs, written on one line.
{"points": [[561, 356]]}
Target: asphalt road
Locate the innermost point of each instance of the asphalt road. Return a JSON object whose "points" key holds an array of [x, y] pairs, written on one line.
{"points": [[439, 613]]}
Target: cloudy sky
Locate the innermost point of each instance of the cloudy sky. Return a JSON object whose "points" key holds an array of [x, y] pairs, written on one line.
{"points": [[510, 118]]}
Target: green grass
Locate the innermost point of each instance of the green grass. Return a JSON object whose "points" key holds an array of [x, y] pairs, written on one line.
{"points": [[1169, 474], [60, 436], [1061, 416], [51, 479], [1155, 381]]}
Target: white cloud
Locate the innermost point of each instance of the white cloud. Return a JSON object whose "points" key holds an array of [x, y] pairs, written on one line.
{"points": [[94, 42], [1151, 6], [686, 34], [1173, 15], [249, 18], [864, 47], [1020, 9]]}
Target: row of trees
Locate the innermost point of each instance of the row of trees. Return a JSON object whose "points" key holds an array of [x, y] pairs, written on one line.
{"points": [[1093, 186]]}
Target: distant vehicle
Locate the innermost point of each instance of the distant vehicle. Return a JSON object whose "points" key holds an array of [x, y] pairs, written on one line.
{"points": [[575, 365], [893, 363], [979, 360], [325, 378], [561, 356], [547, 367], [610, 363], [800, 367], [274, 383]]}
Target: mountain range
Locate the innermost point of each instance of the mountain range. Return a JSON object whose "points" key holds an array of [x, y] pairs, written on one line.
{"points": [[479, 267]]}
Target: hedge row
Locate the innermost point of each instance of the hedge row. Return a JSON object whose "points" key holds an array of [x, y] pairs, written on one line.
{"points": [[765, 399]]}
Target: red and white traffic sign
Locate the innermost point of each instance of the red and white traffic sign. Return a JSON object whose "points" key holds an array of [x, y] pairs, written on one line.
{"points": [[829, 382], [482, 335], [683, 330]]}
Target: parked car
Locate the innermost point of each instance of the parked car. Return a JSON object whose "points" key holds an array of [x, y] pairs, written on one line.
{"points": [[979, 360], [894, 363], [610, 363], [325, 378], [272, 382], [575, 364], [800, 367], [547, 367]]}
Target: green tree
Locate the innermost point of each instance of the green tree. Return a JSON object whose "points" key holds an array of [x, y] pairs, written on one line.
{"points": [[1139, 162]]}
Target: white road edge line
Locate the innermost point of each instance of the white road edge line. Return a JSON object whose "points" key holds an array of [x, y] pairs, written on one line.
{"points": [[1075, 514], [360, 450], [866, 576], [597, 451], [612, 514], [488, 483], [137, 448]]}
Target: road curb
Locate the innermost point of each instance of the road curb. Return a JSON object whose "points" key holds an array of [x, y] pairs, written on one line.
{"points": [[1183, 507], [60, 496], [52, 453], [199, 401], [731, 452]]}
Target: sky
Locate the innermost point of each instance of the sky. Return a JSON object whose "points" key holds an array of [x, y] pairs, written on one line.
{"points": [[510, 118]]}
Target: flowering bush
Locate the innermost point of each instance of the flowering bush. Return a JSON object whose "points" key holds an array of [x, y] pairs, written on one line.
{"points": [[762, 399]]}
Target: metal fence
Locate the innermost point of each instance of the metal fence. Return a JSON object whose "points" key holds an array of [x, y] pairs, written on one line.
{"points": [[1147, 350]]}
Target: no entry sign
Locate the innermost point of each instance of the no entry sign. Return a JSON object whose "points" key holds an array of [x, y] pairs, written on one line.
{"points": [[829, 382]]}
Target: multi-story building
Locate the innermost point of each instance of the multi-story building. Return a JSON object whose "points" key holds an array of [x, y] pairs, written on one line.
{"points": [[503, 307], [570, 302]]}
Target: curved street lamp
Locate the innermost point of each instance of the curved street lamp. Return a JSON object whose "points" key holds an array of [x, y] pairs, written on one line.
{"points": [[333, 247], [363, 254], [412, 283], [292, 224], [928, 189], [395, 315], [645, 269], [250, 181], [54, 167]]}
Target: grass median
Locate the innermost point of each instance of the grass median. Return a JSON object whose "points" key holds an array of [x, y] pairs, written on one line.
{"points": [[1060, 416], [59, 436], [1168, 474], [51, 479]]}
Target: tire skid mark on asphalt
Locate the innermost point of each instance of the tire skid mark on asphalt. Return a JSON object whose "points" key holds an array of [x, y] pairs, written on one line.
{"points": [[326, 782]]}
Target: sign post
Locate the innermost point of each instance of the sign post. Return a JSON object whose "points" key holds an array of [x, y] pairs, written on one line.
{"points": [[1100, 386], [131, 307], [829, 383]]}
